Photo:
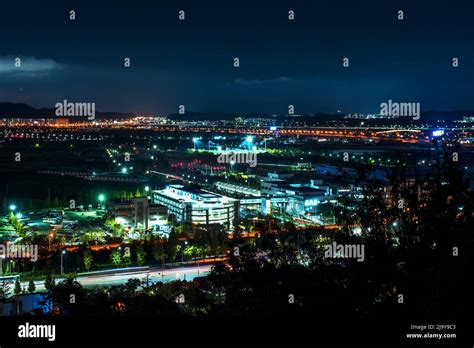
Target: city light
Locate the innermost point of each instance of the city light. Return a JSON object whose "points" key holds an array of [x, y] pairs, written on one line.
{"points": [[195, 140], [19, 215], [249, 138], [147, 188], [124, 170], [12, 207]]}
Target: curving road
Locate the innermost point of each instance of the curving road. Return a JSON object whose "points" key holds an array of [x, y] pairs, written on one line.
{"points": [[120, 276]]}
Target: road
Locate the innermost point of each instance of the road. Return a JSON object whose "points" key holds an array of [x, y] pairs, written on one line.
{"points": [[120, 277]]}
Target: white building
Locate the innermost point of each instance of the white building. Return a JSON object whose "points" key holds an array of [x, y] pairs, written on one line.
{"points": [[197, 205]]}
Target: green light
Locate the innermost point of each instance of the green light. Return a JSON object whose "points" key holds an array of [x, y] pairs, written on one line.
{"points": [[147, 188], [12, 207], [101, 197], [124, 170]]}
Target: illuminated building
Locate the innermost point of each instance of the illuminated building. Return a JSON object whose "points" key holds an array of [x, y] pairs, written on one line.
{"points": [[197, 206]]}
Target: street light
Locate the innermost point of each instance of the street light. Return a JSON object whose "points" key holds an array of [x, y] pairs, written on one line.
{"points": [[147, 188], [62, 267], [50, 236], [101, 200], [124, 170], [12, 207], [195, 140]]}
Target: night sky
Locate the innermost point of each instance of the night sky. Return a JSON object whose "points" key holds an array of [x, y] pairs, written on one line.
{"points": [[282, 62]]}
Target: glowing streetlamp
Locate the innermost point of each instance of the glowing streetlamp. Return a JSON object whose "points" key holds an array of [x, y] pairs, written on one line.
{"points": [[195, 140], [101, 200], [124, 170], [12, 207], [62, 262]]}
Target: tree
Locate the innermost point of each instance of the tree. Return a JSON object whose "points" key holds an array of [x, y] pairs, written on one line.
{"points": [[172, 246], [409, 236], [115, 257], [49, 282], [127, 255], [92, 237], [158, 251], [4, 290], [88, 259], [141, 255], [64, 297], [31, 286], [17, 289]]}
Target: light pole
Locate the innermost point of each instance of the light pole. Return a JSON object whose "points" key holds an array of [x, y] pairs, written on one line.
{"points": [[62, 267], [249, 141], [195, 140], [50, 236], [101, 200], [182, 253]]}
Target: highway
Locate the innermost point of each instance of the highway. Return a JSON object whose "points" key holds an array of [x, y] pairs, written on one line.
{"points": [[120, 276]]}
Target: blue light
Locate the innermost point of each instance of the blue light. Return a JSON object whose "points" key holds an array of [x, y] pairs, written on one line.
{"points": [[438, 133]]}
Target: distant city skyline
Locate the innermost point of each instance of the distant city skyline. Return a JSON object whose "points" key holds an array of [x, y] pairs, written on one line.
{"points": [[282, 62]]}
